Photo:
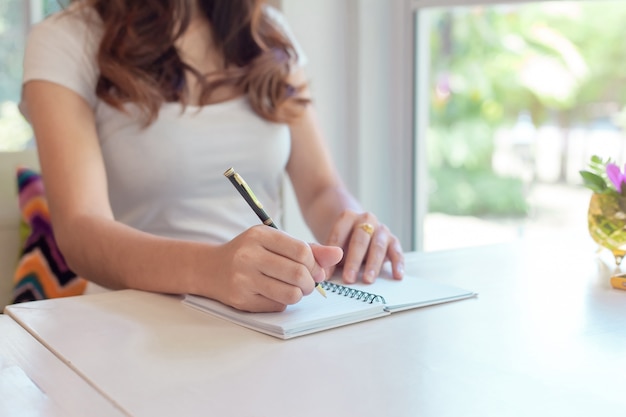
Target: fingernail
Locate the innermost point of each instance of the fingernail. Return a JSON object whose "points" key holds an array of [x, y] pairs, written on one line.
{"points": [[369, 276], [350, 276], [400, 269], [319, 276]]}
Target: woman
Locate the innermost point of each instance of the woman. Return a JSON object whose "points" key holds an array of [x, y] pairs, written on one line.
{"points": [[138, 107]]}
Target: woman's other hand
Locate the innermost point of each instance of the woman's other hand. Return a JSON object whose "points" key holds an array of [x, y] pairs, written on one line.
{"points": [[367, 243]]}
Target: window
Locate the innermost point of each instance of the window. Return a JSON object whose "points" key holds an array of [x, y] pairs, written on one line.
{"points": [[515, 99], [15, 18]]}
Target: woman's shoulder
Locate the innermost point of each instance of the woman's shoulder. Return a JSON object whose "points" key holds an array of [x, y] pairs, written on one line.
{"points": [[77, 21], [62, 49], [72, 34]]}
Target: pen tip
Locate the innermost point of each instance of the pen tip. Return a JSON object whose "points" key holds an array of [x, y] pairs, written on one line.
{"points": [[321, 290]]}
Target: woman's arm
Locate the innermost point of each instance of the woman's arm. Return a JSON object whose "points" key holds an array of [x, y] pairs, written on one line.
{"points": [[260, 270], [330, 210]]}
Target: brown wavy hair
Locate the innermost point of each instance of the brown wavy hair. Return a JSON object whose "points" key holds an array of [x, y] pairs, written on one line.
{"points": [[140, 64]]}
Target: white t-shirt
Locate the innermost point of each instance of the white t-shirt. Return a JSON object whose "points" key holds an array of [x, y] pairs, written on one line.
{"points": [[167, 179]]}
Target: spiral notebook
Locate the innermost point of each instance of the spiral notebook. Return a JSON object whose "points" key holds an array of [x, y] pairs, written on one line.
{"points": [[344, 305]]}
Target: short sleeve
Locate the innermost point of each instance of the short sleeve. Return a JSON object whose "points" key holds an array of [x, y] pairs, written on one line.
{"points": [[279, 20], [62, 49]]}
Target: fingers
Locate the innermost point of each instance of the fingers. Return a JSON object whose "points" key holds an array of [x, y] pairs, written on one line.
{"points": [[340, 235], [301, 253], [376, 253], [244, 284], [365, 231], [367, 244], [396, 256], [270, 269], [287, 274]]}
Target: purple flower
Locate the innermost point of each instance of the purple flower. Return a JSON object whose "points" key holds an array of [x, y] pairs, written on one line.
{"points": [[616, 176]]}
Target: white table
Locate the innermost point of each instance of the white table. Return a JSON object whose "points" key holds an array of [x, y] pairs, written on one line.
{"points": [[34, 382], [545, 337]]}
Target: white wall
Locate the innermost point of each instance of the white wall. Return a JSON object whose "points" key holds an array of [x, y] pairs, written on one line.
{"points": [[360, 61]]}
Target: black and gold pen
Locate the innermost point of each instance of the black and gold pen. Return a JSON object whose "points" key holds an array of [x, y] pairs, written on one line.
{"points": [[256, 205]]}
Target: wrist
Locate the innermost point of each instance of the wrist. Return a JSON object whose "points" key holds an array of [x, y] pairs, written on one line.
{"points": [[200, 269]]}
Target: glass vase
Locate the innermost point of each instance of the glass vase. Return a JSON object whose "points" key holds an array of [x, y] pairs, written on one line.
{"points": [[607, 223]]}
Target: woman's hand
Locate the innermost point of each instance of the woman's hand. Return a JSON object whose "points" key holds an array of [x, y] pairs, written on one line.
{"points": [[264, 269], [367, 242]]}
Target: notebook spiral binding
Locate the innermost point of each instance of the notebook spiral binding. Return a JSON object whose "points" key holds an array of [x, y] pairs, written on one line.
{"points": [[364, 296]]}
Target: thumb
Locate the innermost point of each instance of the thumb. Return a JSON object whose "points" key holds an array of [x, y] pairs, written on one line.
{"points": [[326, 256]]}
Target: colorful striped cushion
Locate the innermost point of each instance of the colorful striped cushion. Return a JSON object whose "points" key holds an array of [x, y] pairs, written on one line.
{"points": [[41, 271]]}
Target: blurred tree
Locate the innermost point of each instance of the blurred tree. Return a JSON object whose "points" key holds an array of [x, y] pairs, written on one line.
{"points": [[553, 60]]}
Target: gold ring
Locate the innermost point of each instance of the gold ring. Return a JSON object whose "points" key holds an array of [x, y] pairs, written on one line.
{"points": [[367, 228]]}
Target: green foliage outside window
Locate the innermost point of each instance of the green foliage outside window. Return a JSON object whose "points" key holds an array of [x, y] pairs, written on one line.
{"points": [[553, 60]]}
